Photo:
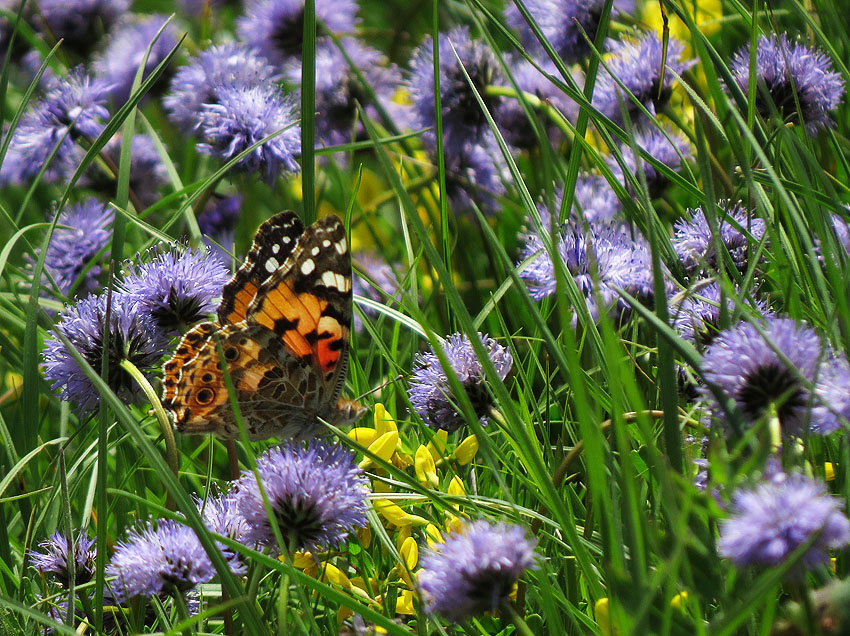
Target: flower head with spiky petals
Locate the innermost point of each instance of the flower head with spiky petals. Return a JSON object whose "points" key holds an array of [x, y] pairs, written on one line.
{"points": [[641, 65], [276, 27], [381, 282], [197, 83], [788, 74], [463, 120], [475, 173], [475, 569], [244, 116], [694, 240], [147, 171], [126, 48], [79, 23], [176, 287], [771, 372], [317, 493], [221, 515], [668, 147], [131, 336], [430, 392], [771, 520], [218, 224], [55, 554]]}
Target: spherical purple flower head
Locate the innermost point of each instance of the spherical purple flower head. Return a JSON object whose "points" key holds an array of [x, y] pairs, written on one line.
{"points": [[132, 336], [697, 316], [842, 230], [318, 495], [175, 287], [669, 149], [776, 517], [73, 247], [431, 394], [637, 63], [72, 107], [79, 22], [159, 559], [475, 173], [380, 274], [594, 202], [694, 242], [147, 172], [120, 59], [338, 88], [54, 558], [244, 116], [475, 569], [196, 83], [221, 515], [784, 69], [747, 368], [218, 225], [463, 120], [832, 409], [276, 27], [511, 118]]}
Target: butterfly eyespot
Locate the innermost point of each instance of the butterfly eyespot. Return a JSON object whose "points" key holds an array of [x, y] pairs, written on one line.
{"points": [[205, 396], [231, 353]]}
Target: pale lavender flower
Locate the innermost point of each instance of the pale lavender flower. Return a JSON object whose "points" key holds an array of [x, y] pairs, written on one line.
{"points": [[317, 493], [740, 233], [147, 171], [832, 409], [594, 202], [243, 116], [842, 231], [697, 316], [381, 282], [175, 287], [638, 63], [80, 23], [475, 569], [431, 394], [123, 54], [73, 247], [54, 557], [748, 368], [464, 122], [221, 515], [276, 27], [218, 224], [131, 336], [785, 70], [771, 520], [669, 148], [198, 82], [475, 173]]}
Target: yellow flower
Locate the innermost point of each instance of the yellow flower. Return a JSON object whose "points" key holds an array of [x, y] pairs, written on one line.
{"points": [[707, 16], [396, 515], [829, 471], [679, 600], [426, 471], [382, 441], [603, 617], [437, 445], [410, 557], [404, 603], [433, 536], [466, 450]]}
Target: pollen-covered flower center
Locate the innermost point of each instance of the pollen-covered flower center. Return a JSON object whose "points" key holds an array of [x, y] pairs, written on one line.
{"points": [[771, 384], [299, 519]]}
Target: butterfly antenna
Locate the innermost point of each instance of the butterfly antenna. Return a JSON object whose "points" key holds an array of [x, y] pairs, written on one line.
{"points": [[380, 386]]}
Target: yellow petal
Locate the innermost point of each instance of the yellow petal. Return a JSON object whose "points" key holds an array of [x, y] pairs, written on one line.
{"points": [[679, 600], [466, 450], [402, 460], [395, 515], [437, 445], [365, 536], [404, 603], [829, 471], [426, 471], [333, 574], [402, 536], [603, 617], [383, 447], [302, 560], [384, 422], [433, 535], [456, 487], [410, 552], [342, 613], [363, 436]]}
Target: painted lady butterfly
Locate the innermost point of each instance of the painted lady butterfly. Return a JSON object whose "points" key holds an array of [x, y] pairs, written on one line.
{"points": [[283, 324]]}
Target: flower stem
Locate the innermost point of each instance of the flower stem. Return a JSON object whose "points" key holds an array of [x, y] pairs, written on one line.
{"points": [[521, 626]]}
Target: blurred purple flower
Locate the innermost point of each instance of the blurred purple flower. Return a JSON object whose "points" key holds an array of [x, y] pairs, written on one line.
{"points": [[131, 336], [430, 392], [54, 559], [475, 173], [276, 27], [147, 172], [218, 225], [697, 316], [221, 515], [669, 148], [638, 63], [475, 569], [771, 520], [244, 116], [317, 493], [80, 23], [230, 65], [383, 281], [121, 58], [694, 241], [785, 70]]}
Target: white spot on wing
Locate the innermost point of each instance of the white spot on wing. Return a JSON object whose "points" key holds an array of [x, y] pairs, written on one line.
{"points": [[307, 267], [272, 264], [275, 248], [326, 243], [286, 240], [315, 251], [341, 246], [337, 281]]}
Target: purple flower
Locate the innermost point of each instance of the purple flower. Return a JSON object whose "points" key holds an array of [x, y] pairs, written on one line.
{"points": [[125, 50], [7, 25], [54, 559], [338, 89], [221, 515], [594, 202], [159, 559], [244, 116], [175, 288], [785, 70], [198, 82], [463, 120], [147, 172], [669, 148], [771, 520], [79, 22], [637, 63], [697, 316], [832, 409], [431, 394], [748, 367], [475, 173], [72, 107], [73, 247], [475, 569], [318, 495], [276, 27], [131, 336], [381, 282], [842, 231], [695, 244], [218, 224]]}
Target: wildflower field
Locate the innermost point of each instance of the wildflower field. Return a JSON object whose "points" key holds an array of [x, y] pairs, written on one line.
{"points": [[452, 317]]}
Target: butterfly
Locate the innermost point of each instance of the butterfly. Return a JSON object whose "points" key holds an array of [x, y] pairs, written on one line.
{"points": [[283, 326]]}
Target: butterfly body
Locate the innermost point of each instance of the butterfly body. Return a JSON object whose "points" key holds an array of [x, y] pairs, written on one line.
{"points": [[282, 333]]}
